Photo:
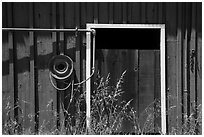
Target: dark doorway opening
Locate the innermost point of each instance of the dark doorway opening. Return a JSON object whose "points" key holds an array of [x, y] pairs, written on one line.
{"points": [[136, 51], [114, 38]]}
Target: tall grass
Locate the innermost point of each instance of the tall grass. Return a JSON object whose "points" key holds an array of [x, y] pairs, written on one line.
{"points": [[108, 111], [191, 125]]}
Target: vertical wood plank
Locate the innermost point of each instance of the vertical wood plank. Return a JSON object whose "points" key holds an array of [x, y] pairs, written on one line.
{"points": [[151, 17], [77, 46], [184, 54], [61, 26], [192, 43], [44, 53], [113, 61], [171, 63], [83, 15], [199, 54], [157, 89], [103, 13], [136, 79], [53, 102], [179, 66], [198, 73], [8, 96], [59, 50], [31, 94], [96, 8], [123, 60], [182, 62], [111, 12], [5, 68], [61, 47], [70, 40], [124, 14], [83, 44], [143, 12], [146, 84], [35, 52], [136, 18], [15, 77], [160, 13], [117, 12], [104, 65], [129, 12], [151, 13], [89, 11], [23, 62], [123, 64], [188, 28], [129, 62], [11, 64], [135, 12], [72, 17]]}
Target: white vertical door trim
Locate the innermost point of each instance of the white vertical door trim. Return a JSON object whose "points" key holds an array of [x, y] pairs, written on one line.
{"points": [[163, 80], [88, 82]]}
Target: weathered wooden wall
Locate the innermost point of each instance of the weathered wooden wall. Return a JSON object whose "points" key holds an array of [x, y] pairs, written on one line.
{"points": [[25, 81]]}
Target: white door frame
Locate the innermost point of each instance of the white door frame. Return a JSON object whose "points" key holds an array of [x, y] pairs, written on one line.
{"points": [[162, 64]]}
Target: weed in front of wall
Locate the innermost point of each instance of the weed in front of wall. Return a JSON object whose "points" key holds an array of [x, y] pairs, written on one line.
{"points": [[108, 111], [190, 124]]}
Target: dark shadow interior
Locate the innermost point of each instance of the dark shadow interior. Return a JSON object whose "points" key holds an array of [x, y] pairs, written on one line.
{"points": [[114, 38]]}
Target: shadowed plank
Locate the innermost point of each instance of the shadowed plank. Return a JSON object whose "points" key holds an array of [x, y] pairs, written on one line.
{"points": [[171, 63], [146, 85], [134, 12], [11, 64], [178, 68], [5, 68], [53, 94], [199, 59], [117, 12], [23, 51], [45, 49], [192, 60], [103, 12]]}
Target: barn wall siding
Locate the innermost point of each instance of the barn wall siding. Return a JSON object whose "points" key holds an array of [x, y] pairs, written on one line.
{"points": [[25, 81]]}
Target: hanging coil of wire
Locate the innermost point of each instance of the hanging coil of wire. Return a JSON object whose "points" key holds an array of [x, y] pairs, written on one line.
{"points": [[61, 68]]}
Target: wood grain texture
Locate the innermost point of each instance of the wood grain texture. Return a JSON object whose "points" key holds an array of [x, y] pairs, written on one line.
{"points": [[11, 62], [25, 55], [192, 57], [6, 97], [95, 13], [44, 53], [117, 12], [199, 54], [184, 52], [90, 12], [171, 63], [31, 94], [23, 60], [53, 94], [134, 12], [198, 66], [146, 83], [103, 13], [115, 62], [179, 66]]}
